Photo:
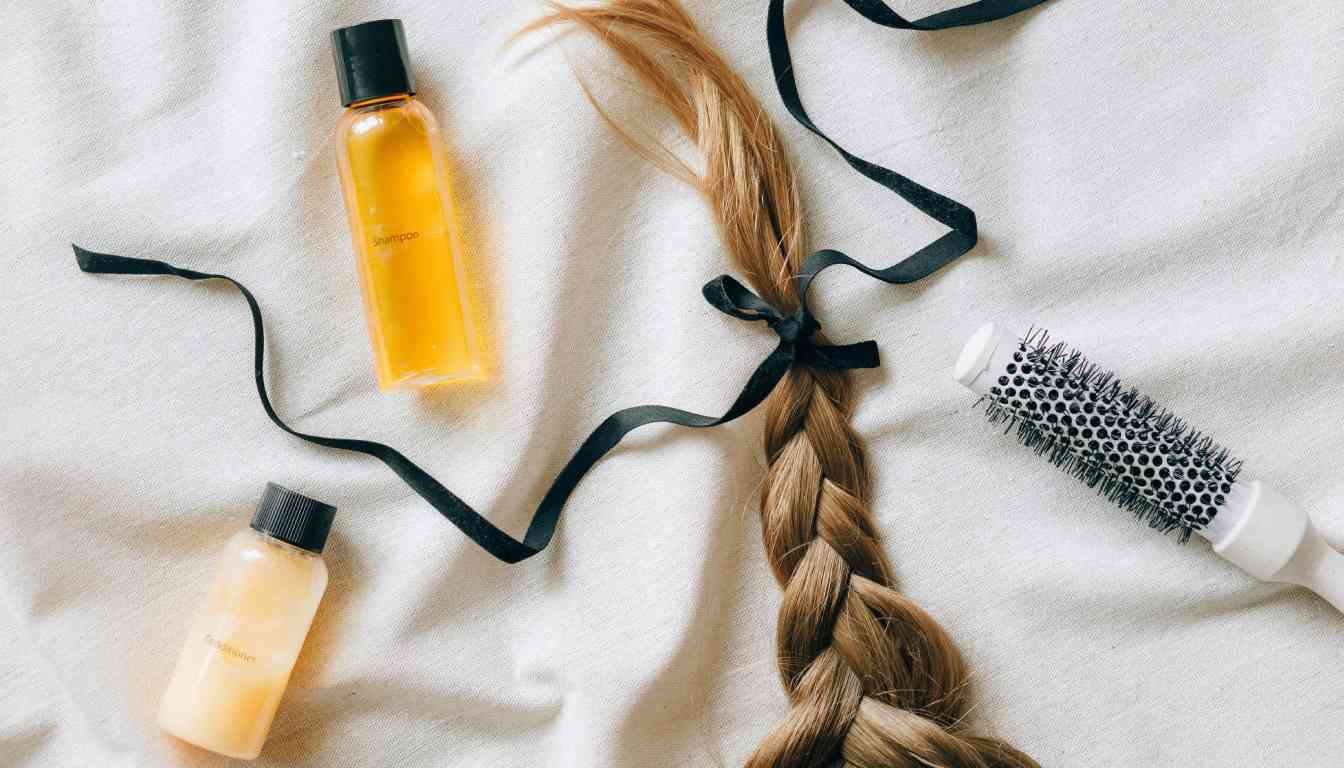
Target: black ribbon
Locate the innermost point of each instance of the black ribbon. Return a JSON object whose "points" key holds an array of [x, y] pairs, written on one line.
{"points": [[957, 217], [796, 330], [796, 347]]}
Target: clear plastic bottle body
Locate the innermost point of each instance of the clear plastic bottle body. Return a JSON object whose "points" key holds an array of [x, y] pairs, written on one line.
{"points": [[238, 655], [396, 184]]}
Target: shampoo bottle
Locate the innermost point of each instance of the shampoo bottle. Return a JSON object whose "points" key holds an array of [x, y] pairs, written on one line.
{"points": [[394, 176], [246, 636]]}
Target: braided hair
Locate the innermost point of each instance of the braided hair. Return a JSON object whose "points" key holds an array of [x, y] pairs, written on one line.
{"points": [[873, 681]]}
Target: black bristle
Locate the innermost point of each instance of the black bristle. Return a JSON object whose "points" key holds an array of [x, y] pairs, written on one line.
{"points": [[1124, 430]]}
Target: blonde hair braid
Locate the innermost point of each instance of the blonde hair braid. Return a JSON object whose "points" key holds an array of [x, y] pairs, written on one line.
{"points": [[873, 681]]}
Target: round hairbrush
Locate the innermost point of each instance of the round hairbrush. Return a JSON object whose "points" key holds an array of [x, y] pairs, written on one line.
{"points": [[1141, 457]]}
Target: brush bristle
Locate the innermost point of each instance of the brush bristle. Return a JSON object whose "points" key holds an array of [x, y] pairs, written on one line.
{"points": [[1116, 440]]}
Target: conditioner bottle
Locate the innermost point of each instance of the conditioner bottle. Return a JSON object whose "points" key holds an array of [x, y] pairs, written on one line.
{"points": [[246, 636]]}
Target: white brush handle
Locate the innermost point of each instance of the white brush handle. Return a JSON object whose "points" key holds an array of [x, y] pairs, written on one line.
{"points": [[1273, 539], [1318, 567], [1257, 529]]}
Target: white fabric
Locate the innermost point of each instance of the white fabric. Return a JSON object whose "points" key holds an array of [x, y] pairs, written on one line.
{"points": [[1158, 183]]}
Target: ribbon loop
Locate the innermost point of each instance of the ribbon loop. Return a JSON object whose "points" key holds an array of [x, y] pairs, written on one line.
{"points": [[732, 298]]}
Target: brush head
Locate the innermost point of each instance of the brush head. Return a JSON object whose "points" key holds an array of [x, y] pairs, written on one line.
{"points": [[1113, 438]]}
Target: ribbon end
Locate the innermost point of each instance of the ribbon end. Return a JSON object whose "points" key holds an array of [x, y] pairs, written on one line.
{"points": [[85, 259], [96, 263], [713, 290], [864, 354], [870, 356]]}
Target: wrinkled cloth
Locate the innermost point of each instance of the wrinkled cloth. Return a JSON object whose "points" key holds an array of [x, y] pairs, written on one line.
{"points": [[1159, 185]]}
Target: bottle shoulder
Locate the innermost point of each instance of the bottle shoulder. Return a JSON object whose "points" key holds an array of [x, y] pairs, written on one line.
{"points": [[252, 545], [320, 574], [400, 116], [417, 111]]}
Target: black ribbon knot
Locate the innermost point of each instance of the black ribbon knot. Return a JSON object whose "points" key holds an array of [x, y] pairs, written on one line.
{"points": [[797, 330]]}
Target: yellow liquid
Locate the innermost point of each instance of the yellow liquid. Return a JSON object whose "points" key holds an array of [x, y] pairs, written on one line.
{"points": [[398, 198]]}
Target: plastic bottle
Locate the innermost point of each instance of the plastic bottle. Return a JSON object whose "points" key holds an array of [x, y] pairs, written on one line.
{"points": [[397, 195], [243, 643]]}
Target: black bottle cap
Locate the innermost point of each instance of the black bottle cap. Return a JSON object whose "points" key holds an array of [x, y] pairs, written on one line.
{"points": [[293, 518], [372, 61]]}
